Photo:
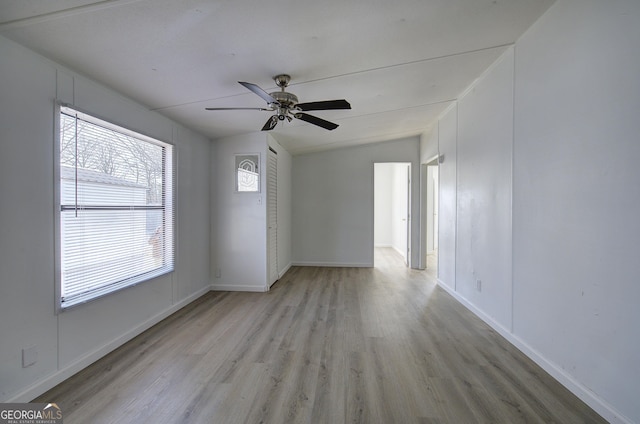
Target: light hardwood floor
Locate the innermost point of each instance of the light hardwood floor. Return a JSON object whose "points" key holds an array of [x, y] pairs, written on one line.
{"points": [[325, 345]]}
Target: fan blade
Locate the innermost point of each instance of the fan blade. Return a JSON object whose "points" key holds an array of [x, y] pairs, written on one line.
{"points": [[324, 105], [316, 121], [238, 108], [260, 92], [271, 123]]}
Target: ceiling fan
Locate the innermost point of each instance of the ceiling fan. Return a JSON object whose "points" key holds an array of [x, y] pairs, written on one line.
{"points": [[286, 106]]}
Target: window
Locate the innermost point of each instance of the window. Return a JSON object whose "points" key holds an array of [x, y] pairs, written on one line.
{"points": [[247, 173], [116, 208]]}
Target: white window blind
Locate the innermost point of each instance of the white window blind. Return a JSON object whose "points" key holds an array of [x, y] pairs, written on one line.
{"points": [[116, 208]]}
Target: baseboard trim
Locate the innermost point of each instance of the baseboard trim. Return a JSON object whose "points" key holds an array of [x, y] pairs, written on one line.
{"points": [[238, 288], [334, 264], [61, 375], [400, 252], [284, 270], [587, 396]]}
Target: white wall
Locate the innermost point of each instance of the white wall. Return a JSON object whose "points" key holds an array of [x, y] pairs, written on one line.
{"points": [[429, 144], [554, 126], [71, 340], [448, 217], [382, 206], [240, 226], [431, 206], [577, 197], [483, 244], [333, 200]]}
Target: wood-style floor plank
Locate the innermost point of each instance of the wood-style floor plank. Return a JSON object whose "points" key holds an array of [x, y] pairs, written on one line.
{"points": [[325, 345]]}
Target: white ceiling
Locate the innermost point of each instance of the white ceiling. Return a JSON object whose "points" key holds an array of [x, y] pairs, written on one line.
{"points": [[399, 63]]}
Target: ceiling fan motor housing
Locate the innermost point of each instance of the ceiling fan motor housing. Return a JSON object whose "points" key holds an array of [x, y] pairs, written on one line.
{"points": [[287, 102], [285, 99]]}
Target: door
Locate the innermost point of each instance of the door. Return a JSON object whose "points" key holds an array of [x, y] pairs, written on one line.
{"points": [[407, 256], [272, 215]]}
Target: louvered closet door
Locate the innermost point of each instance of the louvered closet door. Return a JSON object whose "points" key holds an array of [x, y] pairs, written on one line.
{"points": [[272, 214]]}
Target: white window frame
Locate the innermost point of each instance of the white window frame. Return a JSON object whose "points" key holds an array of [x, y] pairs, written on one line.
{"points": [[168, 205]]}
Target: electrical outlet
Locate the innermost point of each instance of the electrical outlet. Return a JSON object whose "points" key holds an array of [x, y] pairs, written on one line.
{"points": [[479, 285], [29, 356], [218, 273]]}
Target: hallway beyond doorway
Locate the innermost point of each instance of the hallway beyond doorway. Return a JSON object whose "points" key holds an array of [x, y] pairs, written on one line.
{"points": [[392, 206]]}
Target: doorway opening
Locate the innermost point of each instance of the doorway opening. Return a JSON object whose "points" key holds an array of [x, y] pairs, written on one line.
{"points": [[429, 195], [392, 220]]}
